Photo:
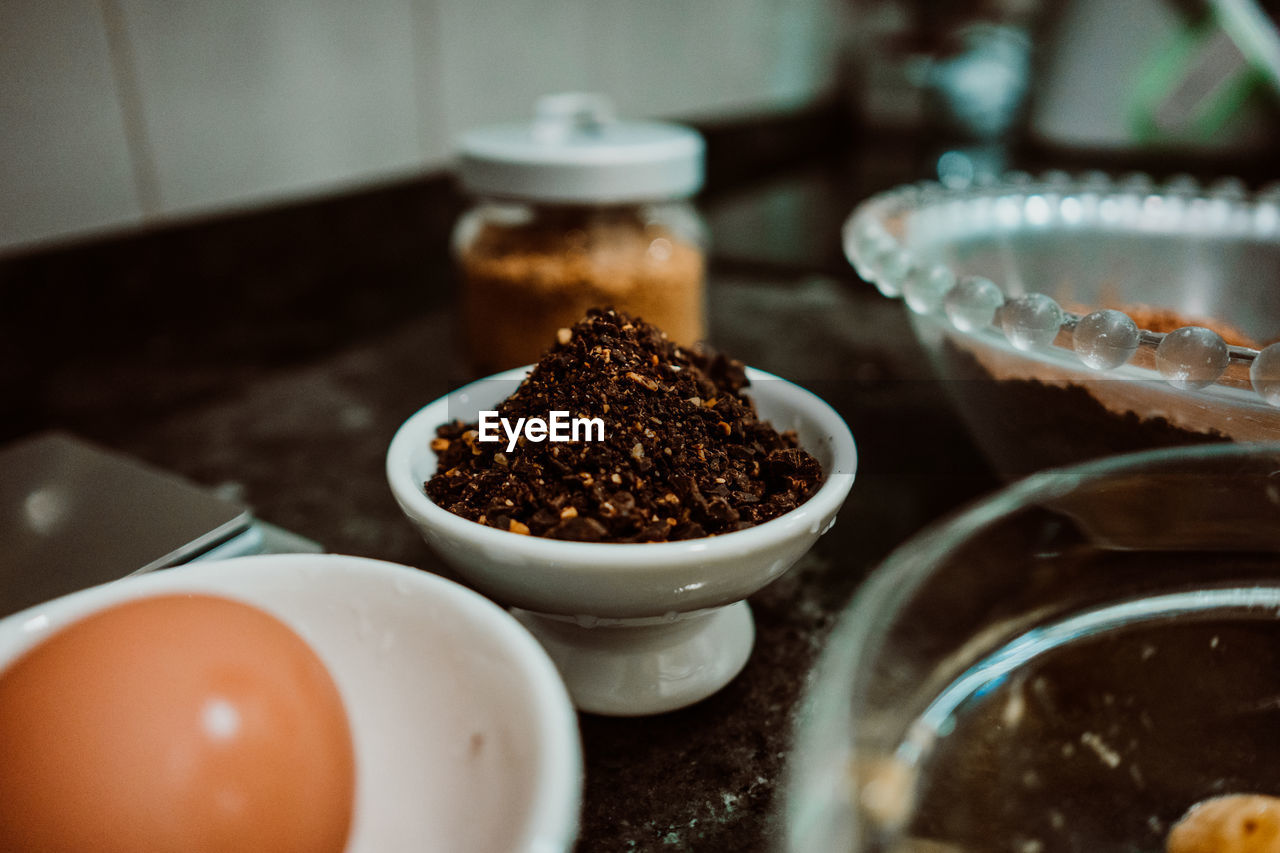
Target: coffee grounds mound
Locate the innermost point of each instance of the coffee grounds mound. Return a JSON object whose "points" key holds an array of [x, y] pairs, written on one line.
{"points": [[684, 454]]}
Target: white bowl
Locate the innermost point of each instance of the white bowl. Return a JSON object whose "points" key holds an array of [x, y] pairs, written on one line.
{"points": [[422, 664], [659, 655]]}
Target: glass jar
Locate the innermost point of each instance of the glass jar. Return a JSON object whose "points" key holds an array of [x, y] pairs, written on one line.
{"points": [[577, 211]]}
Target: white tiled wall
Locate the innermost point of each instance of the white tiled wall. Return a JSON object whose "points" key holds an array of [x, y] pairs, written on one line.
{"points": [[120, 112], [64, 159], [709, 57], [245, 100]]}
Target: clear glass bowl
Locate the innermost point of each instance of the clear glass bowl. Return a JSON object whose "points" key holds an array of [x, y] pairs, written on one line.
{"points": [[1076, 317], [1069, 665]]}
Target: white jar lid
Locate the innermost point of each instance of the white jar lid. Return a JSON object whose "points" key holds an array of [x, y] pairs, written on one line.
{"points": [[576, 150]]}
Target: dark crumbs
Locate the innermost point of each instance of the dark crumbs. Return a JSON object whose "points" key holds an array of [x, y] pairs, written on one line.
{"points": [[684, 454]]}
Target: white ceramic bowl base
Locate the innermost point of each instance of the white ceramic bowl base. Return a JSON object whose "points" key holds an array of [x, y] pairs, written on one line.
{"points": [[423, 666], [630, 667], [633, 628]]}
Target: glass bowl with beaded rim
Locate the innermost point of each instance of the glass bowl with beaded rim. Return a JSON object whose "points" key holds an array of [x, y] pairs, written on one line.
{"points": [[1071, 317], [1112, 666]]}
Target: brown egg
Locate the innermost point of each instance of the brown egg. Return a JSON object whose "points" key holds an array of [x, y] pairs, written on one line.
{"points": [[180, 722], [1239, 823]]}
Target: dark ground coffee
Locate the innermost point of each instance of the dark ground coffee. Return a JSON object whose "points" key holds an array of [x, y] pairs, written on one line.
{"points": [[684, 454]]}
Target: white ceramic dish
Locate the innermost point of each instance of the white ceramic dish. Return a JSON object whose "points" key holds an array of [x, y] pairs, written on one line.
{"points": [[422, 664], [634, 628]]}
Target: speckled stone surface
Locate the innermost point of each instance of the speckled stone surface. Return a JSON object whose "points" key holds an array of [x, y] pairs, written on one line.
{"points": [[302, 441]]}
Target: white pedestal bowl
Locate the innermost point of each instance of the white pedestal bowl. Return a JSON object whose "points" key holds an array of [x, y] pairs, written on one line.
{"points": [[634, 628]]}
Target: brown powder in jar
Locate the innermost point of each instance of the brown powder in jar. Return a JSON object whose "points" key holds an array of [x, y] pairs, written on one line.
{"points": [[522, 282]]}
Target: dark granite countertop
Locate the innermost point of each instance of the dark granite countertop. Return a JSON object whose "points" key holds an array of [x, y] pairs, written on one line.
{"points": [[275, 356]]}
